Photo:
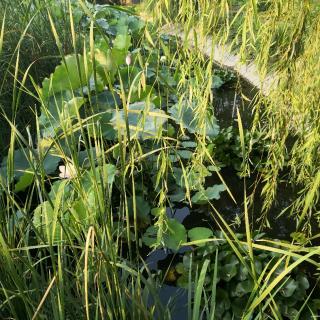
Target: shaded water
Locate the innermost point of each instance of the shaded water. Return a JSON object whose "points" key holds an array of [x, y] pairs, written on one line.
{"points": [[226, 103], [227, 100]]}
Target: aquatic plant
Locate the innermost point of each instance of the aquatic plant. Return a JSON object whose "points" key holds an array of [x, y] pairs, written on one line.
{"points": [[126, 129]]}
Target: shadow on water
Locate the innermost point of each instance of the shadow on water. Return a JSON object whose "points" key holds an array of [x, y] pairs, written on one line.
{"points": [[227, 100]]}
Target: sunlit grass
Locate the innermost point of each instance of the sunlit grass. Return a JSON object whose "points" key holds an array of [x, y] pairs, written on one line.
{"points": [[93, 268]]}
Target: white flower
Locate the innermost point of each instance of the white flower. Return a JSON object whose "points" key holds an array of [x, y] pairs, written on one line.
{"points": [[128, 59], [163, 59], [67, 172]]}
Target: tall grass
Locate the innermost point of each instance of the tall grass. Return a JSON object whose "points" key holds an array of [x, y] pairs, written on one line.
{"points": [[28, 46], [92, 268], [281, 37]]}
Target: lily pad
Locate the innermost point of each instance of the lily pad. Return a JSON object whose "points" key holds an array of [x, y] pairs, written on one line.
{"points": [[25, 181], [244, 287], [149, 238], [103, 105], [175, 234], [199, 233], [211, 193], [46, 221], [61, 107], [142, 209], [217, 82], [289, 288], [145, 121], [228, 271], [21, 165], [185, 115], [67, 76]]}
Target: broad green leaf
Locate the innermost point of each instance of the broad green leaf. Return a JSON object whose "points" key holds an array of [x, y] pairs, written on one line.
{"points": [[105, 100], [166, 79], [135, 24], [103, 24], [145, 121], [122, 42], [149, 238], [44, 219], [80, 212], [70, 108], [228, 271], [185, 154], [157, 212], [189, 144], [24, 181], [62, 106], [217, 82], [121, 45], [244, 287], [303, 281], [211, 193], [109, 173], [243, 273], [238, 305], [258, 266], [175, 234], [142, 209], [55, 188], [292, 313], [199, 233], [106, 65], [22, 164], [186, 116], [223, 301], [289, 288], [183, 281], [66, 76], [103, 105], [177, 196], [50, 163], [195, 177]]}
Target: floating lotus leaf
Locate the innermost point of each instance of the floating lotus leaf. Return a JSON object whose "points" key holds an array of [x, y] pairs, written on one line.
{"points": [[145, 121], [186, 116], [211, 193], [199, 233], [69, 75]]}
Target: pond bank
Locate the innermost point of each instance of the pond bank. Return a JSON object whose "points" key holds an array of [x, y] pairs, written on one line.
{"points": [[224, 58]]}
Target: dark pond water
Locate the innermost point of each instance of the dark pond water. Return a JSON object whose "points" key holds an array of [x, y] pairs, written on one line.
{"points": [[227, 100], [226, 103]]}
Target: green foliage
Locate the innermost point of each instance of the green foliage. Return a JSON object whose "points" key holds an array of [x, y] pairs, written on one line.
{"points": [[23, 170], [199, 233], [234, 281], [281, 38], [66, 76], [211, 193], [145, 121], [128, 122], [186, 116], [174, 235], [28, 49]]}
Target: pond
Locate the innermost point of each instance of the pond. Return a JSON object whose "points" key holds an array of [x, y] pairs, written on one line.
{"points": [[281, 226]]}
